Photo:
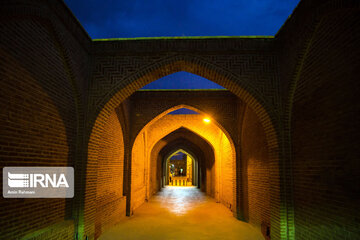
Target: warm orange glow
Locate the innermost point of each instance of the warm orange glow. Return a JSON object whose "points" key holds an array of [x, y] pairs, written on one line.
{"points": [[206, 120], [218, 172]]}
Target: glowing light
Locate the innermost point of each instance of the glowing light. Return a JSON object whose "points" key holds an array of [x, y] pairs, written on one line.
{"points": [[206, 120]]}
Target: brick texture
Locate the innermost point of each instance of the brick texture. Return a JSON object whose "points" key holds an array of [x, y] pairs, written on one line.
{"points": [[220, 175], [255, 156], [112, 84], [110, 202], [38, 115], [65, 102], [188, 141], [324, 119]]}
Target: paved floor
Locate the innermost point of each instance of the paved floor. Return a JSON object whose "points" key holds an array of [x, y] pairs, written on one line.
{"points": [[182, 213]]}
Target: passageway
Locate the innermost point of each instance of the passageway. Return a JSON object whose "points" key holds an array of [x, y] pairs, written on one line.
{"points": [[274, 137], [222, 169], [182, 213]]}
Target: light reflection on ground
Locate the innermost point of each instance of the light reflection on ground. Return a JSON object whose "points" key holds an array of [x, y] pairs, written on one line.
{"points": [[182, 213], [180, 200]]}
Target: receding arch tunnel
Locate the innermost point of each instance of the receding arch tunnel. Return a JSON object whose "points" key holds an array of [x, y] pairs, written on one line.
{"points": [[282, 132], [230, 149], [180, 168], [183, 138], [217, 171], [149, 120]]}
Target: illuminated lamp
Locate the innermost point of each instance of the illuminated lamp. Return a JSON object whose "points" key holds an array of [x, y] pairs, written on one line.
{"points": [[206, 120]]}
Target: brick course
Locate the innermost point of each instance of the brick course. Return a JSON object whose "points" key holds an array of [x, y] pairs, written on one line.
{"points": [[219, 183], [325, 165], [60, 96], [38, 117]]}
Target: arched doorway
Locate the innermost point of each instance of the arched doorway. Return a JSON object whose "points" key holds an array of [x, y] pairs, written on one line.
{"points": [[179, 169], [250, 96], [222, 164]]}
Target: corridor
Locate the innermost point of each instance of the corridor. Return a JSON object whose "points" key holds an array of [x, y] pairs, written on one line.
{"points": [[180, 137], [182, 213]]}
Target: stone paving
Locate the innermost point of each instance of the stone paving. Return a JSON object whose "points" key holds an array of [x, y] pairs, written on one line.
{"points": [[182, 213]]}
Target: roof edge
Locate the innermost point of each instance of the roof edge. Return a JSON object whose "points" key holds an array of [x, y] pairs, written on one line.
{"points": [[182, 37]]}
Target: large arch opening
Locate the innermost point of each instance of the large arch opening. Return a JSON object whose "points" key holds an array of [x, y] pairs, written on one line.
{"points": [[219, 171], [251, 100]]}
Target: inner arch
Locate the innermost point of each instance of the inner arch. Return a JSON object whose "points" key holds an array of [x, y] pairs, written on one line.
{"points": [[219, 173], [179, 168], [198, 147]]}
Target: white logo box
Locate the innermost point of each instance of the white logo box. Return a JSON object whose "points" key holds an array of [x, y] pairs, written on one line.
{"points": [[38, 182]]}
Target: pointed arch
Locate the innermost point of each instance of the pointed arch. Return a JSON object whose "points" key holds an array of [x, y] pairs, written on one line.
{"points": [[178, 150], [194, 162], [241, 87], [199, 154], [195, 109], [224, 164]]}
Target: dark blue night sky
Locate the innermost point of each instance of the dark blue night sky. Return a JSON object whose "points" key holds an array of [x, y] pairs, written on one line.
{"points": [[178, 156], [157, 18], [187, 80]]}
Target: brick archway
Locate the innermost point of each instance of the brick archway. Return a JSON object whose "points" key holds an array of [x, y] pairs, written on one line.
{"points": [[195, 109], [242, 88], [176, 140], [163, 125], [183, 149]]}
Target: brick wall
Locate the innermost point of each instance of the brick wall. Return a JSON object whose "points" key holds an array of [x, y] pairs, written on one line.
{"points": [[156, 167], [324, 136], [39, 113], [301, 83], [58, 231], [254, 154], [227, 174], [139, 170], [110, 202]]}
